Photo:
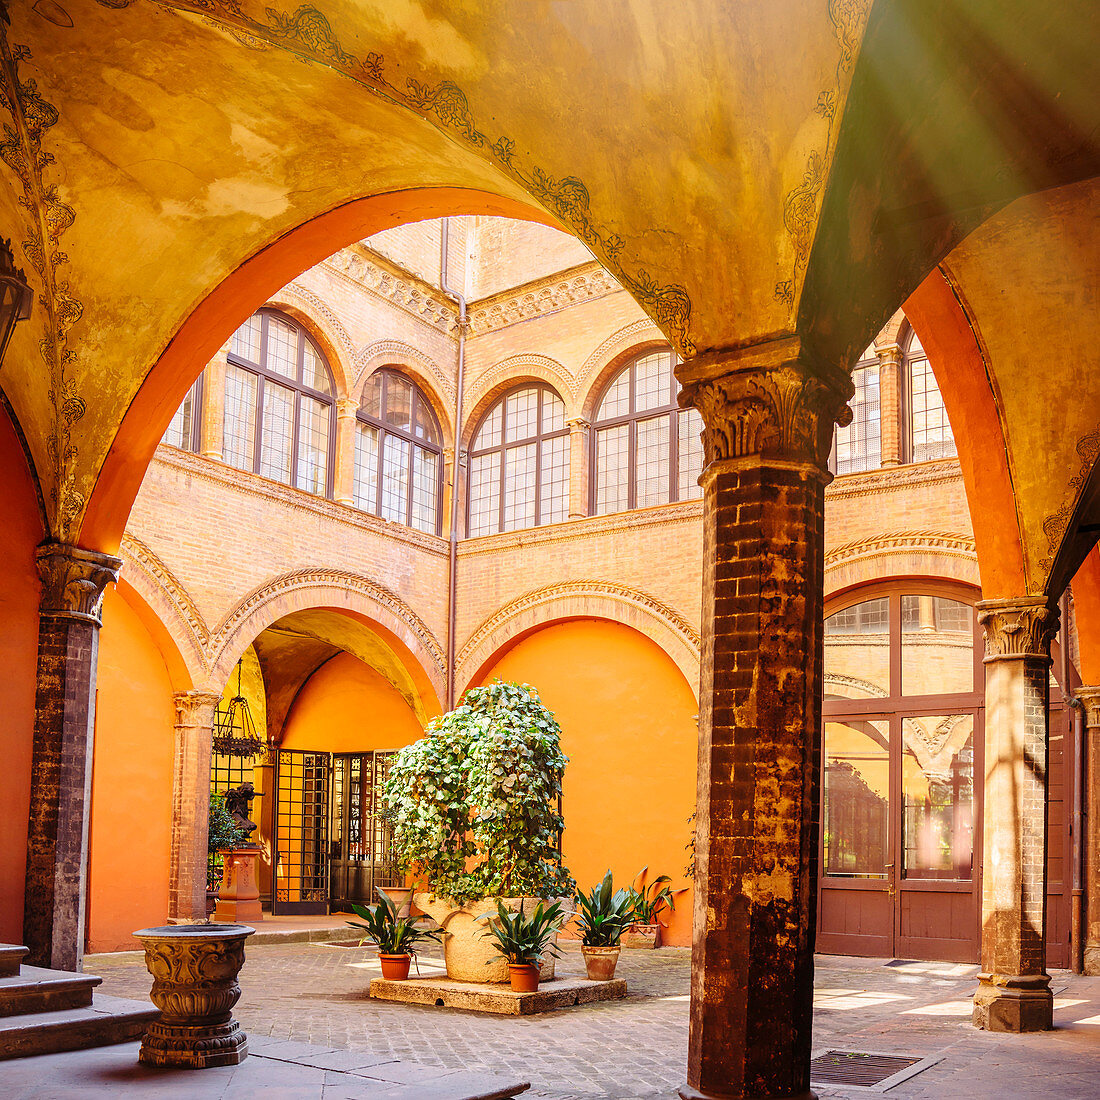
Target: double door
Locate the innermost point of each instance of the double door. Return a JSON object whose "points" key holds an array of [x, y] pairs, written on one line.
{"points": [[900, 814]]}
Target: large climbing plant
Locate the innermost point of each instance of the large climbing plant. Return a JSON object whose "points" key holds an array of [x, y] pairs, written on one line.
{"points": [[473, 804]]}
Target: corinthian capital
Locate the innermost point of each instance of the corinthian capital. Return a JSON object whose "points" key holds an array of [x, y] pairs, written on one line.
{"points": [[74, 580], [1017, 628], [766, 402], [195, 708]]}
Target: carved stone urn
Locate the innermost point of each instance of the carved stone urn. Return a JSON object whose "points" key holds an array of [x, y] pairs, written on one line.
{"points": [[194, 968]]}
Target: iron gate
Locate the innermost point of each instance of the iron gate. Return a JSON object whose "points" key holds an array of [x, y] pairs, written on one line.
{"points": [[301, 832]]}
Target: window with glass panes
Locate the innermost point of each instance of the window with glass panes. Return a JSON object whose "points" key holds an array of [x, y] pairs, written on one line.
{"points": [[185, 430], [859, 445], [519, 464], [398, 454], [645, 449], [930, 434], [279, 419]]}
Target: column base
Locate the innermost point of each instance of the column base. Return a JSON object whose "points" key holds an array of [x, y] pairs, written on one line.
{"points": [[688, 1093], [1092, 959], [1018, 1003]]}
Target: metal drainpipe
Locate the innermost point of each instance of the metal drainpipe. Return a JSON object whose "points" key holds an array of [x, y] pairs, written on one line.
{"points": [[455, 296]]}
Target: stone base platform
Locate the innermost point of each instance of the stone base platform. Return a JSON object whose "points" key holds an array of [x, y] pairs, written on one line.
{"points": [[563, 992]]}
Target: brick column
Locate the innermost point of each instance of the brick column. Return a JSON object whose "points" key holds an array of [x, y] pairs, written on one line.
{"points": [[1090, 697], [344, 471], [579, 466], [1013, 988], [890, 403], [190, 805], [768, 426], [73, 583], [213, 406]]}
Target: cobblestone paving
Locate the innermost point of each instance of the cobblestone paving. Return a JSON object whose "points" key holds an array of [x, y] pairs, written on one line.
{"points": [[634, 1049]]}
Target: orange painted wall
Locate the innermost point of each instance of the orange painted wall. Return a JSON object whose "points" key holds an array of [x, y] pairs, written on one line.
{"points": [[130, 828], [628, 727], [345, 706], [20, 533]]}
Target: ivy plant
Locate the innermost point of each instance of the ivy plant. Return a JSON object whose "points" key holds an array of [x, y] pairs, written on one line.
{"points": [[473, 804]]}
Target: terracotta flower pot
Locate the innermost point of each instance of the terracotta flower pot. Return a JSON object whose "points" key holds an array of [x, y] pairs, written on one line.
{"points": [[395, 968], [194, 968], [641, 935], [600, 962], [524, 977]]}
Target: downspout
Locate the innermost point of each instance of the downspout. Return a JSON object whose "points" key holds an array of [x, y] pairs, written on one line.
{"points": [[454, 295]]}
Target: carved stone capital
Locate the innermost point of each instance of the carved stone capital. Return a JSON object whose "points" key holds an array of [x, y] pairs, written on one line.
{"points": [[195, 708], [346, 408], [1090, 699], [768, 406], [74, 580], [578, 424], [1017, 628]]}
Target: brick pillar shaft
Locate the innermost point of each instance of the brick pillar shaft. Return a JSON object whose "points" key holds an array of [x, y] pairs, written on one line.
{"points": [[190, 805], [1014, 989], [767, 432], [73, 582], [1090, 696]]}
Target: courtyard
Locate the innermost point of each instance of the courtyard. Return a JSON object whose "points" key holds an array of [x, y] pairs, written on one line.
{"points": [[304, 1002]]}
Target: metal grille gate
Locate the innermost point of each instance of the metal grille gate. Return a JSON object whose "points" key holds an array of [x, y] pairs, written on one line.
{"points": [[301, 832]]}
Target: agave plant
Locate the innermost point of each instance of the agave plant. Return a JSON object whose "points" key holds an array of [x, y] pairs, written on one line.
{"points": [[651, 899], [603, 916], [524, 940], [391, 934]]}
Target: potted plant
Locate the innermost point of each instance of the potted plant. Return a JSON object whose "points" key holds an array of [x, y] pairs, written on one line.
{"points": [[650, 901], [222, 832], [524, 940], [474, 814], [602, 917], [395, 937]]}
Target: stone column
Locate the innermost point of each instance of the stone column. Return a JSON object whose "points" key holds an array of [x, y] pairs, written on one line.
{"points": [[73, 583], [1090, 697], [190, 805], [344, 472], [213, 406], [890, 403], [768, 426], [579, 466], [1013, 988]]}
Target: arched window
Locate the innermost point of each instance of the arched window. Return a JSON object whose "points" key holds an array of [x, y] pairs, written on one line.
{"points": [[279, 420], [398, 454], [185, 430], [930, 433], [645, 449], [519, 463], [859, 445]]}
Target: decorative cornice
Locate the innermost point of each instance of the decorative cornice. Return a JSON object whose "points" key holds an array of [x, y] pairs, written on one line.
{"points": [[1015, 629], [174, 590], [901, 541], [542, 296], [195, 708], [893, 479], [784, 413], [73, 581]]}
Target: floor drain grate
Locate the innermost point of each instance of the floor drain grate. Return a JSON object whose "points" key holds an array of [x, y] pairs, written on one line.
{"points": [[848, 1067]]}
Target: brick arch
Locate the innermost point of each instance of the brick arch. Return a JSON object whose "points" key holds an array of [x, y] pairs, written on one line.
{"points": [[324, 326], [939, 555], [404, 632], [609, 357], [893, 332], [580, 600], [421, 368], [510, 374]]}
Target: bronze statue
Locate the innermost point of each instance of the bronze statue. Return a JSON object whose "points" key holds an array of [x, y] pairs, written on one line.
{"points": [[236, 802]]}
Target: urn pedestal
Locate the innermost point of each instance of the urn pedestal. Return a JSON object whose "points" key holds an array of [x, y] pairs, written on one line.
{"points": [[194, 970], [239, 892]]}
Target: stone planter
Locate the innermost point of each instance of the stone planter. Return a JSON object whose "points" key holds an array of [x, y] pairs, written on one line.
{"points": [[600, 962], [238, 894], [401, 897], [641, 935], [194, 968], [469, 953]]}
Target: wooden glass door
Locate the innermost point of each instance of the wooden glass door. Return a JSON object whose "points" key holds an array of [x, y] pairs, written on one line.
{"points": [[301, 832]]}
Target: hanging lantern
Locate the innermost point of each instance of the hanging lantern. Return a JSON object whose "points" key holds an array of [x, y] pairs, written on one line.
{"points": [[234, 731], [16, 296]]}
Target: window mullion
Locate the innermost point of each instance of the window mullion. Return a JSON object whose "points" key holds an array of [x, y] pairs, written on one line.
{"points": [[378, 467], [257, 441], [673, 457]]}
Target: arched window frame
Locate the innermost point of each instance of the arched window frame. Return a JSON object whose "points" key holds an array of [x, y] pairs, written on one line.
{"points": [[419, 404], [539, 439], [266, 377], [188, 432], [679, 421], [916, 391]]}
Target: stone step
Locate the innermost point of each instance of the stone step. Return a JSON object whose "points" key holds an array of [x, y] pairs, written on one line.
{"points": [[35, 989], [11, 955], [107, 1020]]}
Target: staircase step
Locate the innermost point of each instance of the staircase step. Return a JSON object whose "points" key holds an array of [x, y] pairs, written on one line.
{"points": [[35, 989], [11, 955], [107, 1020]]}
